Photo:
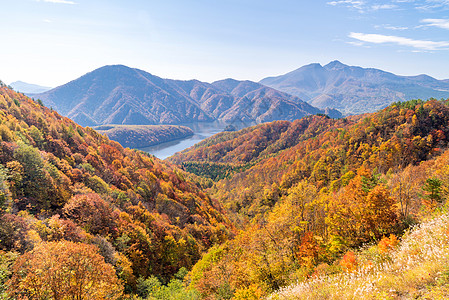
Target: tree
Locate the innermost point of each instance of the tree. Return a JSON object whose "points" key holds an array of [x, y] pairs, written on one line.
{"points": [[33, 169], [5, 194], [433, 188], [363, 210], [91, 212], [405, 188], [63, 270]]}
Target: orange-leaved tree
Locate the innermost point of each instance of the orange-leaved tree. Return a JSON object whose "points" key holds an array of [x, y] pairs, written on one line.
{"points": [[362, 211], [63, 270]]}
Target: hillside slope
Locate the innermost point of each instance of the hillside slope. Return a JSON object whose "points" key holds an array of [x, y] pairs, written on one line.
{"points": [[415, 269], [60, 181], [338, 185], [355, 90], [320, 149]]}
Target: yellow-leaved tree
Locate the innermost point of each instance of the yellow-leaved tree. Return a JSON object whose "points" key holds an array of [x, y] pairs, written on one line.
{"points": [[63, 270]]}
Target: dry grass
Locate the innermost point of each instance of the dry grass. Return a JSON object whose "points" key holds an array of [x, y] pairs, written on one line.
{"points": [[417, 269]]}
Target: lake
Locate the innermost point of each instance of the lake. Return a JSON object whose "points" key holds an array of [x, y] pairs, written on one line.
{"points": [[201, 131]]}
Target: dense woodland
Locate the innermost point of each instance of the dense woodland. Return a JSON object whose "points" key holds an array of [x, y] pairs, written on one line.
{"points": [[141, 136], [68, 193], [311, 190], [264, 207]]}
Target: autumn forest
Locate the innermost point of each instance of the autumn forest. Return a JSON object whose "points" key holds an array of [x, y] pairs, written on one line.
{"points": [[267, 212]]}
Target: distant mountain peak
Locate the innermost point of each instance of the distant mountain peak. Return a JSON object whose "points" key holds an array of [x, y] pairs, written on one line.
{"points": [[312, 66], [353, 89], [28, 88], [117, 94], [227, 80], [335, 65], [114, 68]]}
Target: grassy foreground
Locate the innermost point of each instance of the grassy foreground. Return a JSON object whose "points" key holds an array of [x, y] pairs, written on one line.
{"points": [[417, 268]]}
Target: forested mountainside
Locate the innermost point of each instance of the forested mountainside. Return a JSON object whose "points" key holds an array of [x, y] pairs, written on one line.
{"points": [[70, 192], [355, 90], [306, 192], [291, 201], [321, 149], [140, 136], [122, 95]]}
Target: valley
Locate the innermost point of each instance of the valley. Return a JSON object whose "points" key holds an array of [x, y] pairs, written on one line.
{"points": [[200, 131], [224, 150], [251, 211]]}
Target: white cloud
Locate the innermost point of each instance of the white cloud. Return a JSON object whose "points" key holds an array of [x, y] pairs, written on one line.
{"points": [[383, 6], [441, 23], [390, 27], [384, 39], [371, 5], [433, 4], [362, 5], [349, 3], [357, 43], [439, 2], [396, 27], [58, 1]]}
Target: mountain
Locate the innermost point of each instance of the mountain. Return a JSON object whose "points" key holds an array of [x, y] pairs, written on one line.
{"points": [[310, 193], [310, 198], [61, 182], [284, 152], [28, 88], [260, 103], [354, 90], [122, 95]]}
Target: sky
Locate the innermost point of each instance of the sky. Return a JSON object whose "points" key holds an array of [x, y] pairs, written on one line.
{"points": [[51, 42]]}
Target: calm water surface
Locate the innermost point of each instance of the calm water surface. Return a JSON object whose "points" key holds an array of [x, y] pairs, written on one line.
{"points": [[201, 131]]}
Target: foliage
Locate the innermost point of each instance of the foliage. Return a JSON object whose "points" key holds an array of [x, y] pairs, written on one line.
{"points": [[321, 150], [63, 270], [417, 269], [151, 288], [302, 194], [433, 187], [214, 171], [319, 189], [7, 259], [61, 182], [349, 262]]}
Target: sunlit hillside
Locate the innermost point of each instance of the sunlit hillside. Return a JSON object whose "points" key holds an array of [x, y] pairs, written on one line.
{"points": [[342, 185], [66, 190], [416, 268]]}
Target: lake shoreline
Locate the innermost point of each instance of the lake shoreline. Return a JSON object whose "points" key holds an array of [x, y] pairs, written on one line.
{"points": [[201, 131]]}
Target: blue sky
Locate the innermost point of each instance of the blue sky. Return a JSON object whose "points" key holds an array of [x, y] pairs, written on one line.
{"points": [[50, 42]]}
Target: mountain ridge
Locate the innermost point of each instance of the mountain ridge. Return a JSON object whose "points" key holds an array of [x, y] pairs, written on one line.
{"points": [[28, 88], [117, 94], [353, 89]]}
